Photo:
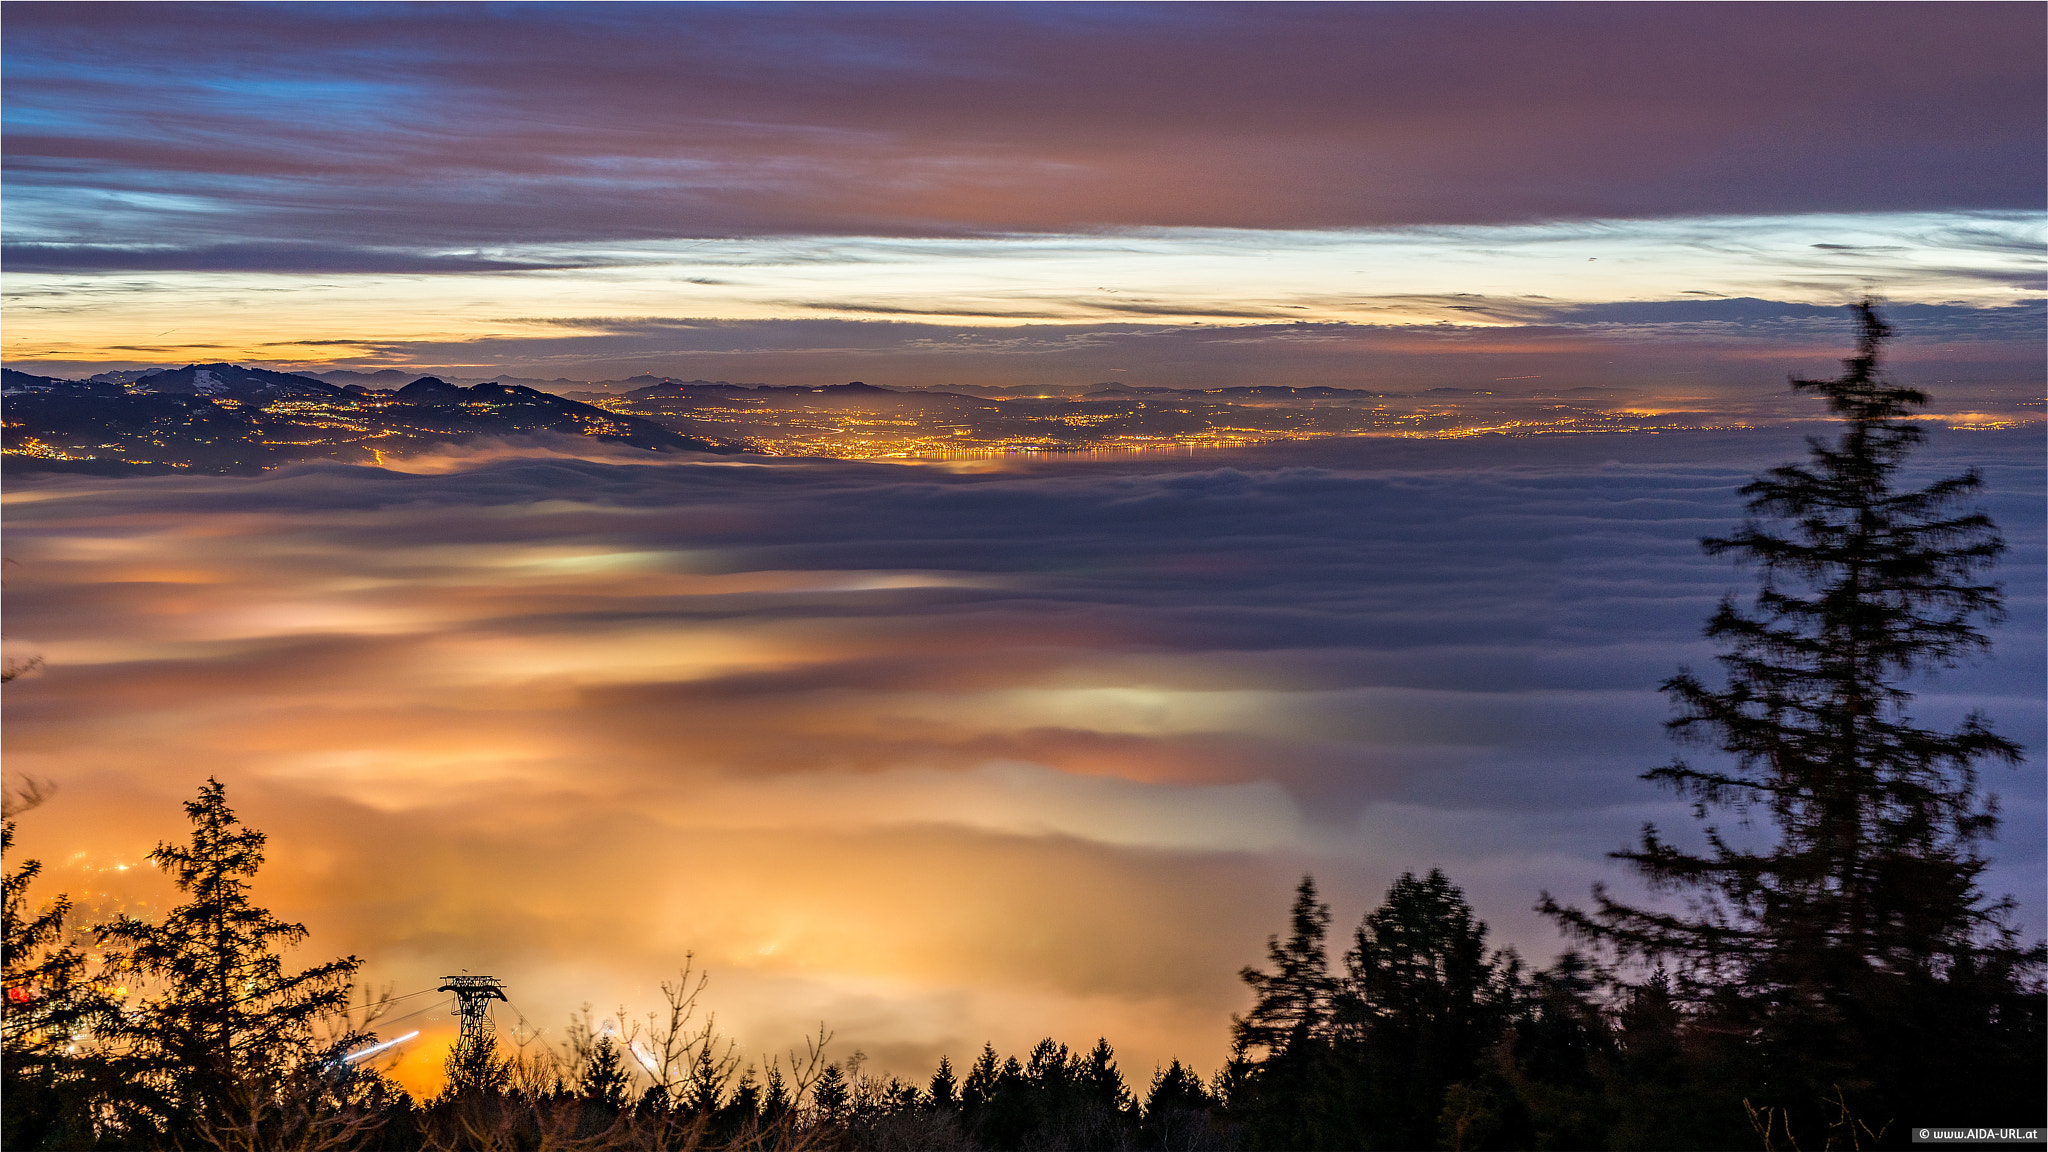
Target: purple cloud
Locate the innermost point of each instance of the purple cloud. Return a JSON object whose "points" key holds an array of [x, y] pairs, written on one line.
{"points": [[459, 126]]}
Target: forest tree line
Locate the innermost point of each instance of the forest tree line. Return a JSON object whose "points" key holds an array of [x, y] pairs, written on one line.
{"points": [[1826, 989]]}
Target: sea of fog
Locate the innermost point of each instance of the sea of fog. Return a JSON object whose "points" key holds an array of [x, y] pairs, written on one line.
{"points": [[935, 753]]}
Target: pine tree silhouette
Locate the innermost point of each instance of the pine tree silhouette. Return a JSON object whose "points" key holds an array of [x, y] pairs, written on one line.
{"points": [[1421, 1002], [47, 999], [1293, 1001], [943, 1091], [776, 1103], [1857, 948], [605, 1080], [1100, 1082], [225, 1026], [1282, 1073], [45, 971], [980, 1084], [474, 1070], [1175, 1087], [830, 1095]]}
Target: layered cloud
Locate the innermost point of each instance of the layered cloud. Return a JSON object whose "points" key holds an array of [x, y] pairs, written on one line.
{"points": [[939, 754], [1608, 303], [436, 126], [1667, 351], [251, 257], [552, 190]]}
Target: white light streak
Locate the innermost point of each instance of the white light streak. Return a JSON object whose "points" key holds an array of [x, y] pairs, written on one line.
{"points": [[376, 1048]]}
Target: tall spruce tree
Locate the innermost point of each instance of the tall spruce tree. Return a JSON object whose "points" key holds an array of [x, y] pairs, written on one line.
{"points": [[1285, 1086], [605, 1081], [1294, 999], [48, 998], [45, 971], [1101, 1083], [1422, 1001], [223, 1038], [474, 1070], [1177, 1111], [1856, 954], [944, 1091]]}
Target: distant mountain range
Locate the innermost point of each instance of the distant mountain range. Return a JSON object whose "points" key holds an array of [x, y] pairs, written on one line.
{"points": [[227, 418], [396, 378]]}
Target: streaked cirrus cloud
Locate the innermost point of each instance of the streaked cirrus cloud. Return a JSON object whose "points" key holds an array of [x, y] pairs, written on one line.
{"points": [[429, 126]]}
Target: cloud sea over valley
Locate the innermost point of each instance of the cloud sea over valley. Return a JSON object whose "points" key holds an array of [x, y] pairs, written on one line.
{"points": [[937, 752]]}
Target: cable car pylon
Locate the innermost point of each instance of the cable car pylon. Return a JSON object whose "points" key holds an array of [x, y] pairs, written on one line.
{"points": [[473, 996]]}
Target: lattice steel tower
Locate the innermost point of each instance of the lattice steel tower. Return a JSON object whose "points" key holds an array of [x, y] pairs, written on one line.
{"points": [[473, 996]]}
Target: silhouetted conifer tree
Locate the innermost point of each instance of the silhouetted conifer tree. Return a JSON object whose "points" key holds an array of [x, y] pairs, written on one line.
{"points": [[475, 1070], [1100, 1082], [830, 1096], [980, 1084], [1294, 1000], [746, 1095], [47, 999], [1856, 951], [1422, 1001], [1653, 1080], [1176, 1113], [1009, 1116], [776, 1103], [44, 969], [605, 1080], [709, 1075], [1559, 1045], [944, 1089], [1286, 1087], [223, 1030], [1175, 1087]]}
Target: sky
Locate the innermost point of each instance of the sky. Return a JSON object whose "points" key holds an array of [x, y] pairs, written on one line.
{"points": [[987, 750], [791, 193]]}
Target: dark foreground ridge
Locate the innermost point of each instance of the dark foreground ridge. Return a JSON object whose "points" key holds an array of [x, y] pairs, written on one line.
{"points": [[224, 418]]}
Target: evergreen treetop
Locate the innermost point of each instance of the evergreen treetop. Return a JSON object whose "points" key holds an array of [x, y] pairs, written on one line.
{"points": [[1293, 1001], [944, 1088], [221, 1016], [1418, 962], [1863, 583], [1857, 943], [46, 991]]}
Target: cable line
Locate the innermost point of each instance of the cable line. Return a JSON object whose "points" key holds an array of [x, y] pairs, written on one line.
{"points": [[357, 1007], [383, 1023], [386, 1001]]}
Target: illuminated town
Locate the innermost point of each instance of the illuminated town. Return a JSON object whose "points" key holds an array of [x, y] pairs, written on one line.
{"points": [[225, 418], [860, 421]]}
